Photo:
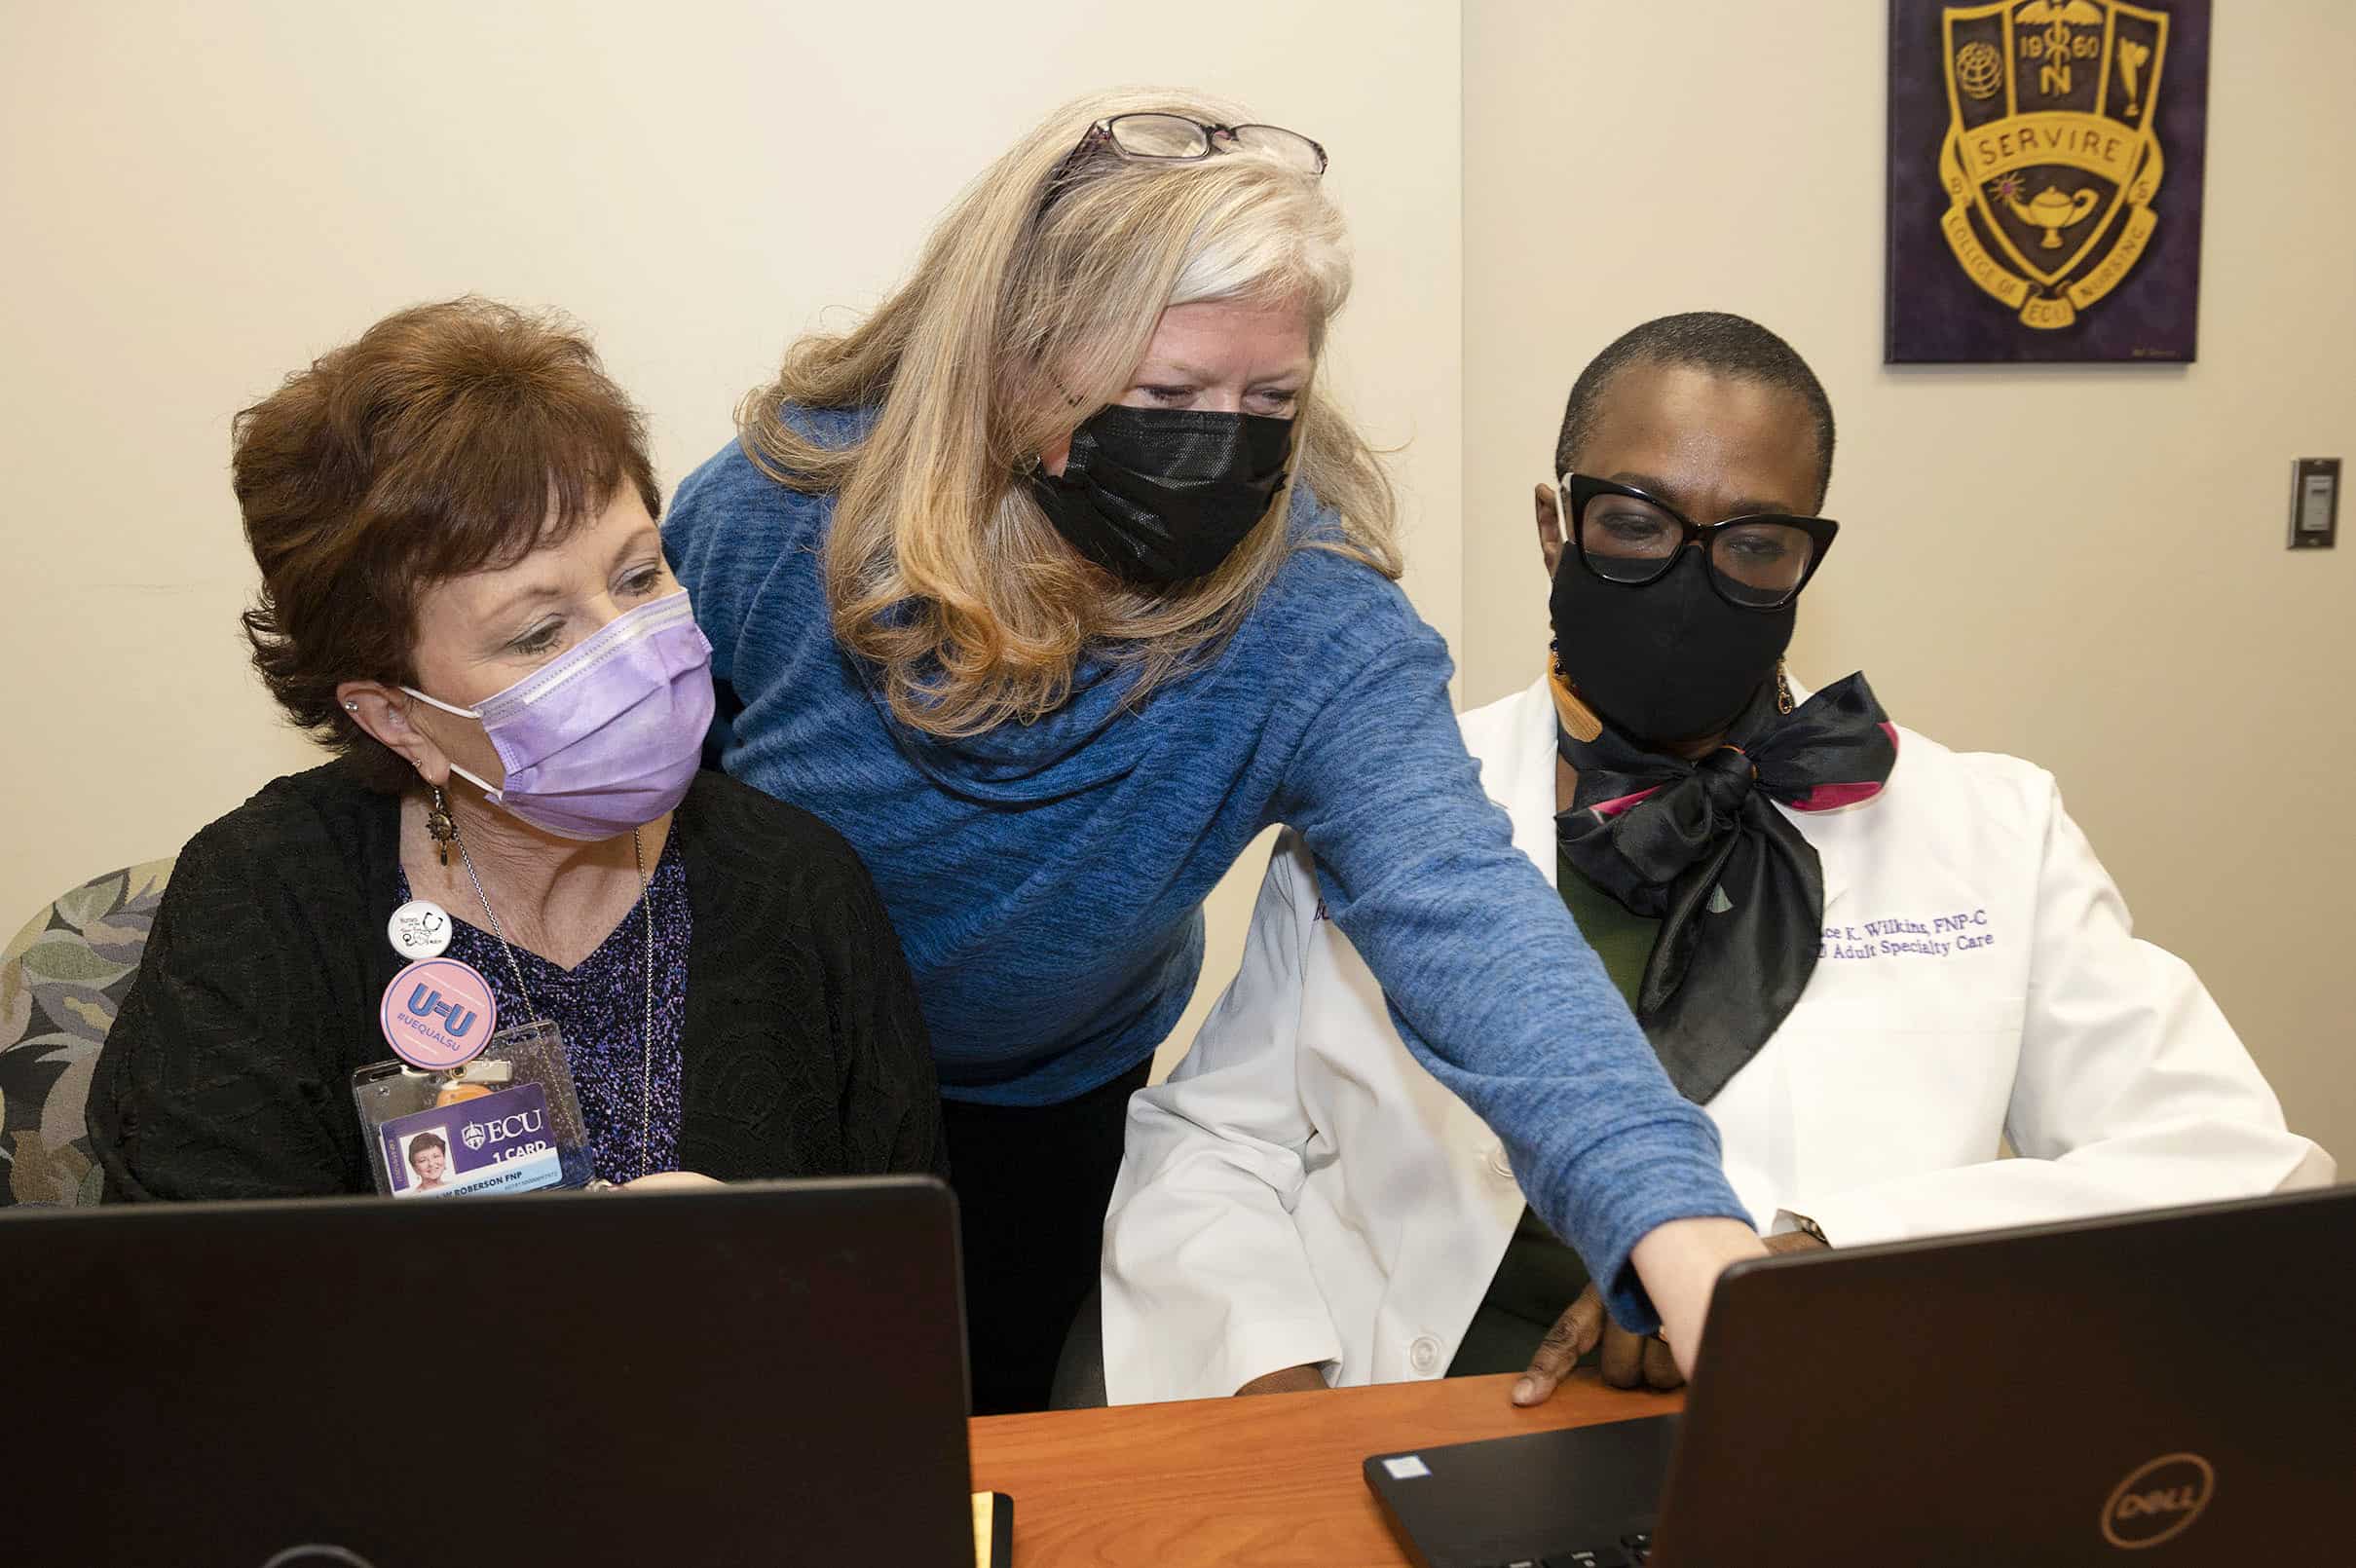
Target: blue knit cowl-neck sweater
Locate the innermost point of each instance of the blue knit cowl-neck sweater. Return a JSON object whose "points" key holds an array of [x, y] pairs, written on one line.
{"points": [[1047, 879]]}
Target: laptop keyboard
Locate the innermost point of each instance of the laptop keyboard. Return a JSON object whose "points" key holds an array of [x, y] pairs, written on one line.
{"points": [[1632, 1551]]}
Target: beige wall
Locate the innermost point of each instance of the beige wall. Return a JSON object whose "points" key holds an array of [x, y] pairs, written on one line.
{"points": [[2083, 565], [201, 197]]}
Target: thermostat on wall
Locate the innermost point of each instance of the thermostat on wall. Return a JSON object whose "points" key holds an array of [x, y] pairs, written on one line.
{"points": [[2314, 503]]}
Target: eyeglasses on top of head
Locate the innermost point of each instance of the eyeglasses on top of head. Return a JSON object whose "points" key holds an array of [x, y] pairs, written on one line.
{"points": [[1179, 138], [1756, 562]]}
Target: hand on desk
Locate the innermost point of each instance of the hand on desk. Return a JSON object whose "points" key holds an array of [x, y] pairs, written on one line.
{"points": [[1629, 1360]]}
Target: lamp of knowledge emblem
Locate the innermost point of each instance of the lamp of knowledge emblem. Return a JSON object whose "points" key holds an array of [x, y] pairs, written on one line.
{"points": [[2050, 164]]}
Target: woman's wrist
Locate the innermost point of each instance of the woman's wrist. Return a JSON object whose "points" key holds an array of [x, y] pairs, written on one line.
{"points": [[1679, 1264]]}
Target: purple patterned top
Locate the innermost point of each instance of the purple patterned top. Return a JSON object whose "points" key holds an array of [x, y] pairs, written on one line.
{"points": [[600, 1007]]}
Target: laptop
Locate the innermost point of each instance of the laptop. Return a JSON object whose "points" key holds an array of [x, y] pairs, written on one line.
{"points": [[771, 1373], [2164, 1389]]}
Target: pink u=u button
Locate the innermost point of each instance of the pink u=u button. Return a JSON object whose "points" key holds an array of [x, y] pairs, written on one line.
{"points": [[438, 1013]]}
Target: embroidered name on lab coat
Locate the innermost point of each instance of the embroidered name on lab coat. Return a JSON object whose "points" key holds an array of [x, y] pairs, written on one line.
{"points": [[1931, 936]]}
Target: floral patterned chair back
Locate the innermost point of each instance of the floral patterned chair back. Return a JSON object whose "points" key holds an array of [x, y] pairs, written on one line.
{"points": [[60, 981]]}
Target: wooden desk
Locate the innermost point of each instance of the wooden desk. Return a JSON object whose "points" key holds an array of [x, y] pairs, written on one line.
{"points": [[1271, 1482]]}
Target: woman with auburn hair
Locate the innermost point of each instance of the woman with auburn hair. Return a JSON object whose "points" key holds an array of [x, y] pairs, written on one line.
{"points": [[463, 596], [1050, 585]]}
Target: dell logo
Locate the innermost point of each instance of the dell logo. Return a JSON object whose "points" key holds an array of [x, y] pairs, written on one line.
{"points": [[318, 1556], [2158, 1501]]}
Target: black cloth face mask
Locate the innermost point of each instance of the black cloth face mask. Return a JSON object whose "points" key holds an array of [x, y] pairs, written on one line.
{"points": [[1666, 661], [1161, 495]]}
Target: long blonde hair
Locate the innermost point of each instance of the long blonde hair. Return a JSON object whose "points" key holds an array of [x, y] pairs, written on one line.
{"points": [[940, 567]]}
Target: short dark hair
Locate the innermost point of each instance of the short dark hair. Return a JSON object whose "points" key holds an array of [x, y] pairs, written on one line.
{"points": [[419, 1144], [1703, 340], [445, 438]]}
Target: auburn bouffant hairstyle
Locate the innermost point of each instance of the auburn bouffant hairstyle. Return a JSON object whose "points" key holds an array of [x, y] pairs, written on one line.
{"points": [[444, 439]]}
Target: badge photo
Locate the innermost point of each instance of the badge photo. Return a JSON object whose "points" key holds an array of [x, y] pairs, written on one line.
{"points": [[501, 1141]]}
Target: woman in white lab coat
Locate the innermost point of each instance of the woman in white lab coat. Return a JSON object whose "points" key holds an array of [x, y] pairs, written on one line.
{"points": [[1301, 1203]]}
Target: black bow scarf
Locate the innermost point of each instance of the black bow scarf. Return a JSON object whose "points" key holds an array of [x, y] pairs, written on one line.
{"points": [[1699, 846]]}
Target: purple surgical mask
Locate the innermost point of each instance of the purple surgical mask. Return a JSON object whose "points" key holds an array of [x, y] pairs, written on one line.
{"points": [[608, 736]]}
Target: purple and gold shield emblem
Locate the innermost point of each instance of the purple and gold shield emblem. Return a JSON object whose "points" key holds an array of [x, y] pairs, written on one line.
{"points": [[2049, 139], [2056, 183]]}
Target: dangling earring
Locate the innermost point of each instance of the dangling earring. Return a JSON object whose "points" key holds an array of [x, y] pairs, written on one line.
{"points": [[443, 830], [1782, 690], [1578, 720]]}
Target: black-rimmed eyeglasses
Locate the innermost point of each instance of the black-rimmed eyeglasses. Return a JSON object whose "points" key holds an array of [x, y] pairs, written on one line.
{"points": [[1757, 562], [1180, 137]]}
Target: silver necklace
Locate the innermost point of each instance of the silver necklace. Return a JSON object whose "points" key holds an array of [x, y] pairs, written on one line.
{"points": [[646, 1054]]}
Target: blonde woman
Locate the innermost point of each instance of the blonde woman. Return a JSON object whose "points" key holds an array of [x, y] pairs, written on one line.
{"points": [[1050, 585]]}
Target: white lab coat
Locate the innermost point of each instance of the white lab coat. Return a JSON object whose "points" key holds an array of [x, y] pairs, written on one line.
{"points": [[1301, 1191]]}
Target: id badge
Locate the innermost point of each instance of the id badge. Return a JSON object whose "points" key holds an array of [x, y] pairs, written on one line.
{"points": [[451, 1114]]}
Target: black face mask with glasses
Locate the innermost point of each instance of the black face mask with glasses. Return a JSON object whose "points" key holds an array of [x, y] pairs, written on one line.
{"points": [[1671, 644], [1160, 497]]}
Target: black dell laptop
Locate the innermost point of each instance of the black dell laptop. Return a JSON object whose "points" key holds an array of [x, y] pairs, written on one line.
{"points": [[2166, 1390], [765, 1374]]}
